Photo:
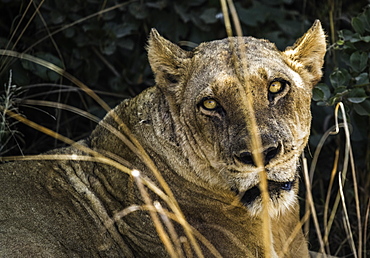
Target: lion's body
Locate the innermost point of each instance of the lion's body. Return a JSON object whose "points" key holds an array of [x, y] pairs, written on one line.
{"points": [[66, 207]]}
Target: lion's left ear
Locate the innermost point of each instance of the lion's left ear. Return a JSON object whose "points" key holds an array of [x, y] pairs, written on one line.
{"points": [[306, 56]]}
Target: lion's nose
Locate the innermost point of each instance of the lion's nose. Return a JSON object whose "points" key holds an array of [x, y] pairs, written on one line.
{"points": [[268, 154]]}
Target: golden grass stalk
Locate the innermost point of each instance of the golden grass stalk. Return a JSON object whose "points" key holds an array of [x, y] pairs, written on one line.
{"points": [[129, 139], [327, 224], [59, 71], [327, 200], [312, 204], [366, 225], [353, 170], [256, 144], [346, 218], [67, 25], [24, 27], [59, 105], [171, 229], [225, 12], [154, 216], [348, 159]]}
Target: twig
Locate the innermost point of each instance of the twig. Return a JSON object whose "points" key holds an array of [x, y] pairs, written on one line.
{"points": [[346, 219], [312, 205]]}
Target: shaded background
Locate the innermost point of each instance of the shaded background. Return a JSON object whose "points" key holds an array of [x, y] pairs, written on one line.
{"points": [[106, 50]]}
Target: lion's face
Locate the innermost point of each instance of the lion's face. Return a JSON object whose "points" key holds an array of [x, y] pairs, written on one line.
{"points": [[213, 119]]}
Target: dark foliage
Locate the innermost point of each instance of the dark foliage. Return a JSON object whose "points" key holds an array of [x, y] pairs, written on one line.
{"points": [[102, 43]]}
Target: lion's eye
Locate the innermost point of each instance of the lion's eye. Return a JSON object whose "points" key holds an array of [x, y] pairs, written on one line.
{"points": [[276, 87], [209, 104]]}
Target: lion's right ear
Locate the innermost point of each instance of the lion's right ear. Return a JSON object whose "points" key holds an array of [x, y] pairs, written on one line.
{"points": [[166, 59], [306, 56]]}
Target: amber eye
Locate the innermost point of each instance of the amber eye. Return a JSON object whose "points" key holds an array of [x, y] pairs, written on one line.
{"points": [[276, 86], [209, 104]]}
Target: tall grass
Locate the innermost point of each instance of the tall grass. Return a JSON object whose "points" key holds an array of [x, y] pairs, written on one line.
{"points": [[329, 217], [9, 135]]}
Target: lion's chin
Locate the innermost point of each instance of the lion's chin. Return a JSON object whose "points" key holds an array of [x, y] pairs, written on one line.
{"points": [[282, 197]]}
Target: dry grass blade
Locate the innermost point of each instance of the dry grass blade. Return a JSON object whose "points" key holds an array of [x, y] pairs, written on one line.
{"points": [[366, 224], [354, 176], [24, 28], [256, 144], [184, 241], [80, 21], [171, 229], [154, 216], [327, 223], [312, 205], [225, 13], [327, 200], [235, 17], [346, 218], [348, 159], [130, 140], [59, 71], [48, 31], [142, 154], [59, 105]]}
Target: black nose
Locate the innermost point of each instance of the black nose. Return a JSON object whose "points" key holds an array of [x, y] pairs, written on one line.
{"points": [[268, 154]]}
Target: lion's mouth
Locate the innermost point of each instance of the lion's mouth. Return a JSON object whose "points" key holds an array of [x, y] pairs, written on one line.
{"points": [[274, 189]]}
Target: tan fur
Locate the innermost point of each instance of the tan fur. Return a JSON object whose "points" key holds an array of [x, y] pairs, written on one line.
{"points": [[65, 208]]}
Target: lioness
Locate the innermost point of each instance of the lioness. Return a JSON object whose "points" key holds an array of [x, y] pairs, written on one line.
{"points": [[193, 125]]}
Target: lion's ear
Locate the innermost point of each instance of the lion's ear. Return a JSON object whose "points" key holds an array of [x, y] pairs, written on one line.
{"points": [[306, 56], [166, 59]]}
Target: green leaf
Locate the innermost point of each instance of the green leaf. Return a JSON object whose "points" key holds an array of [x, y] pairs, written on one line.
{"points": [[317, 94], [367, 17], [158, 4], [340, 91], [57, 17], [355, 38], [182, 11], [357, 95], [363, 108], [339, 78], [42, 71], [109, 47], [122, 30], [345, 35], [363, 78], [109, 15], [364, 19], [139, 10], [69, 32], [366, 39], [195, 2], [358, 25], [321, 92], [209, 15], [358, 61], [126, 43], [252, 16]]}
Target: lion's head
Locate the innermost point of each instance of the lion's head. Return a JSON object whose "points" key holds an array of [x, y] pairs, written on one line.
{"points": [[206, 89]]}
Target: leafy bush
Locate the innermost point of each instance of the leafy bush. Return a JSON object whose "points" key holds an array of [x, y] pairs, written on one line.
{"points": [[350, 83]]}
